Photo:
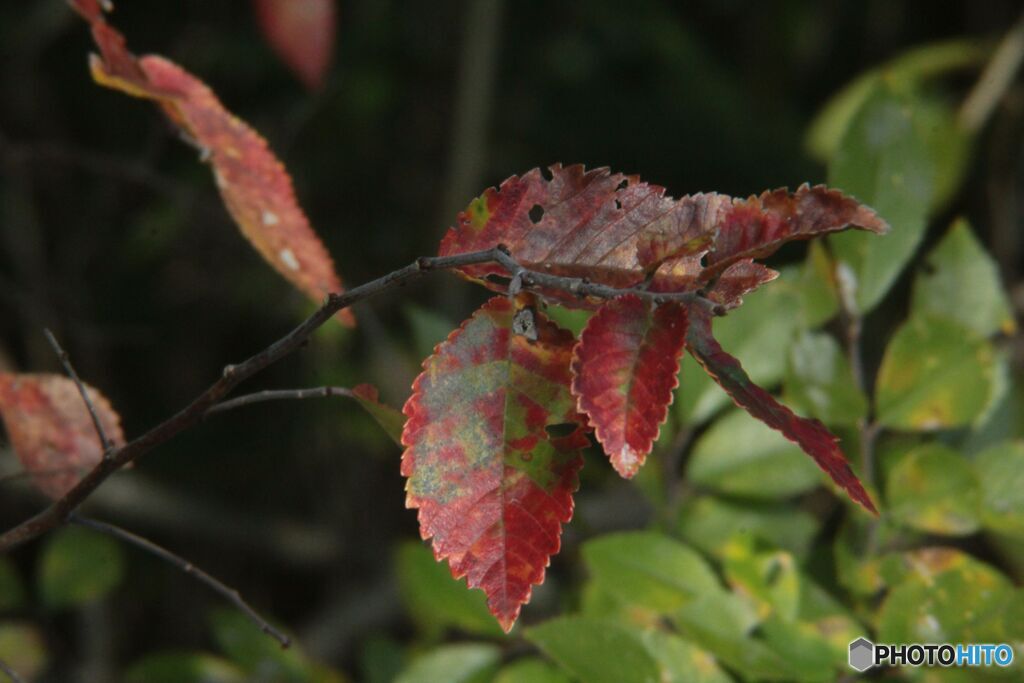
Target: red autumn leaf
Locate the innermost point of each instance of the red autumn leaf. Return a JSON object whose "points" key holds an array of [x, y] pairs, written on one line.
{"points": [[51, 431], [624, 370], [811, 435], [493, 487], [301, 32], [255, 186], [614, 229]]}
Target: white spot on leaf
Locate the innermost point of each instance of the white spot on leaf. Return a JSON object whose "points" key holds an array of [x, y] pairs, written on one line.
{"points": [[288, 259], [270, 218]]}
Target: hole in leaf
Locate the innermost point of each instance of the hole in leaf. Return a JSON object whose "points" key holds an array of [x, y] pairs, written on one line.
{"points": [[498, 279], [623, 184], [561, 430], [618, 204], [547, 173], [536, 213]]}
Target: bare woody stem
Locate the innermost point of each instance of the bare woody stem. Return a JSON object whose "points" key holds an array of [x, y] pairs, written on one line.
{"points": [[65, 361], [184, 565], [10, 673], [277, 395], [60, 511]]}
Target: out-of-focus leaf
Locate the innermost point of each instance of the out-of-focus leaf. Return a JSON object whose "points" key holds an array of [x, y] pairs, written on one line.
{"points": [[739, 455], [12, 592], [531, 670], [184, 667], [758, 334], [768, 580], [462, 663], [381, 659], [960, 281], [596, 650], [429, 328], [884, 160], [680, 661], [711, 524], [301, 33], [253, 183], [935, 489], [1000, 471], [806, 653], [78, 566], [624, 370], [616, 230], [817, 286], [858, 566], [253, 651], [648, 569], [390, 419], [914, 65], [820, 382], [492, 485], [23, 649], [959, 600], [51, 431], [935, 374], [435, 598]]}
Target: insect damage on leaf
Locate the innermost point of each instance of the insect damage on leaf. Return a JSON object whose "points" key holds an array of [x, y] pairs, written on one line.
{"points": [[492, 486], [51, 431], [253, 183], [624, 368], [301, 32]]}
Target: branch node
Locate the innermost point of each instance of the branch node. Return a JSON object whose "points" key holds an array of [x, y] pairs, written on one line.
{"points": [[229, 371]]}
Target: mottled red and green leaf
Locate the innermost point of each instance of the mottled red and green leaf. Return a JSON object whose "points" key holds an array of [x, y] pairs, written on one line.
{"points": [[492, 486]]}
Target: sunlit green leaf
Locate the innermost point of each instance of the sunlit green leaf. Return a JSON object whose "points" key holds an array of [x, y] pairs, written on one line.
{"points": [[935, 374], [740, 455], [648, 569], [768, 580], [935, 489], [960, 281], [711, 523], [820, 382], [1000, 472], [437, 600], [79, 566], [462, 663], [531, 670], [680, 661]]}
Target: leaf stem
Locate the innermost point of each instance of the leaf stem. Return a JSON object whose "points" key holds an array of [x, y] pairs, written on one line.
{"points": [[65, 361], [279, 394]]}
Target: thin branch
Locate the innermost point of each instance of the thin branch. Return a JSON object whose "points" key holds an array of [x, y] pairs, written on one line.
{"points": [[230, 594], [65, 361], [279, 394], [60, 511], [10, 673], [994, 81]]}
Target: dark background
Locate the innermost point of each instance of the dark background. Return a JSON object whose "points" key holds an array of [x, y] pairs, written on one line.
{"points": [[114, 236]]}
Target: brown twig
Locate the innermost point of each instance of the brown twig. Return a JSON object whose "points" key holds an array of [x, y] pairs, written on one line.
{"points": [[60, 510], [10, 673], [230, 594], [65, 361], [279, 394]]}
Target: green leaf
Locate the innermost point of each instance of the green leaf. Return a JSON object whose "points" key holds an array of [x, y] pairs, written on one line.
{"points": [[12, 592], [768, 581], [1000, 472], [935, 374], [935, 489], [758, 334], [435, 599], [960, 281], [79, 566], [955, 599], [648, 569], [23, 649], [463, 663], [711, 524], [429, 328], [251, 649], [184, 667], [531, 670], [817, 287], [572, 319], [680, 661], [883, 160], [819, 381], [739, 455], [381, 658], [596, 650], [935, 59]]}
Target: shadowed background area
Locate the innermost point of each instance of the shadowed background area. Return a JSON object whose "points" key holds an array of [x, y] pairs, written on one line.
{"points": [[114, 236]]}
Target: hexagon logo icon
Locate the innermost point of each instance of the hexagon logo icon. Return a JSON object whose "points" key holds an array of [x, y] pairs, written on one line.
{"points": [[862, 654]]}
